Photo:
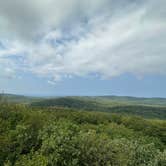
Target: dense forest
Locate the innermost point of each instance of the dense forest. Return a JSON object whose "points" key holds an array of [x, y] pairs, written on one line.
{"points": [[64, 136], [106, 105]]}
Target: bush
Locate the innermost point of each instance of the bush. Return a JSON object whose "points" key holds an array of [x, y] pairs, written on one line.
{"points": [[75, 138]]}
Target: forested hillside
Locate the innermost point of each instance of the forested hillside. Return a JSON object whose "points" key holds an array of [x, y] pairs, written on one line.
{"points": [[80, 131], [101, 99], [64, 137], [98, 104], [134, 100], [11, 98]]}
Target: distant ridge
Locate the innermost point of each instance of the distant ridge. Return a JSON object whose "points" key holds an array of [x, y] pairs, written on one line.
{"points": [[130, 97], [14, 98], [106, 105], [153, 101]]}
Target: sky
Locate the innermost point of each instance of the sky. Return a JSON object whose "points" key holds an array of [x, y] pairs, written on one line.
{"points": [[83, 47]]}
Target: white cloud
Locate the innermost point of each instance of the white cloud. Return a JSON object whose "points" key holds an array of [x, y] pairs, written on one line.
{"points": [[6, 69], [73, 37]]}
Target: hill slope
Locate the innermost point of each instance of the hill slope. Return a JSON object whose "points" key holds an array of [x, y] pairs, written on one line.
{"points": [[97, 104], [64, 137], [134, 100], [12, 98]]}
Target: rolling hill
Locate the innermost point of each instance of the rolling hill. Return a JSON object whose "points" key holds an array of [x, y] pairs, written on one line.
{"points": [[104, 105], [19, 99], [134, 100], [80, 130], [145, 107]]}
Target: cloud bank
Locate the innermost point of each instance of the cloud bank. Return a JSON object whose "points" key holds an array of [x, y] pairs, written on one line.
{"points": [[57, 39]]}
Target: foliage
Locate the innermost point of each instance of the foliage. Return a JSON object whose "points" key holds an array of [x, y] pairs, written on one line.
{"points": [[105, 105], [64, 137]]}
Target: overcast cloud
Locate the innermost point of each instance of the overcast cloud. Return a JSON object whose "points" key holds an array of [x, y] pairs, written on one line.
{"points": [[56, 39]]}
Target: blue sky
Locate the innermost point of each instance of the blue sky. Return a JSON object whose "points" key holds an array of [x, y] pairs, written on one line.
{"points": [[124, 85], [90, 47]]}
